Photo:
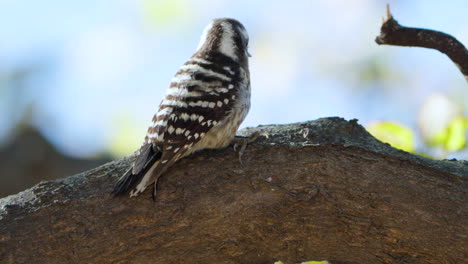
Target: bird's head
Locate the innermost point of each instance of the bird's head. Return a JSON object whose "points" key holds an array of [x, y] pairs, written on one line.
{"points": [[227, 36]]}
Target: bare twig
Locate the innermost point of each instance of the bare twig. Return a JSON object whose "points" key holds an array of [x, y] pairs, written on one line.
{"points": [[392, 33]]}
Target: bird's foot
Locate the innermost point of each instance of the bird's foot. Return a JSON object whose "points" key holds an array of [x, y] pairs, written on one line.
{"points": [[242, 142]]}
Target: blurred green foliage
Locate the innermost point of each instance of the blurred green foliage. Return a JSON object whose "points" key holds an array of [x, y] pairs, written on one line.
{"points": [[161, 12], [308, 262], [373, 69], [126, 138], [453, 137], [396, 135]]}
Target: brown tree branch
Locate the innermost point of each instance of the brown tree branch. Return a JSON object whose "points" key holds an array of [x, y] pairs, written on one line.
{"points": [[392, 33], [315, 190]]}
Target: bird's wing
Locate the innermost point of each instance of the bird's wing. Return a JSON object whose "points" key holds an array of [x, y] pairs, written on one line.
{"points": [[142, 158], [146, 158], [200, 96]]}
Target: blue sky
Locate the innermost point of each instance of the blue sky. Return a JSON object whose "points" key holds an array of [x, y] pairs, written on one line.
{"points": [[100, 68]]}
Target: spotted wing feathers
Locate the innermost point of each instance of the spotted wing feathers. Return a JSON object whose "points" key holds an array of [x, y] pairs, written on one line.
{"points": [[200, 96]]}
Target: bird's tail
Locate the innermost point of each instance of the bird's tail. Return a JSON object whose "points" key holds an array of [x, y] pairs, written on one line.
{"points": [[130, 179]]}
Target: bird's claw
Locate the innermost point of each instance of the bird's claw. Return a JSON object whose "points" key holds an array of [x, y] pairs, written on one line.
{"points": [[244, 141]]}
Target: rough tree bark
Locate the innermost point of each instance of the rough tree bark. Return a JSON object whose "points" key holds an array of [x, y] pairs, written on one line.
{"points": [[317, 190]]}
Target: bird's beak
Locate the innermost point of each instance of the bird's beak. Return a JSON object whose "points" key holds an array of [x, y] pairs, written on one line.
{"points": [[247, 53]]}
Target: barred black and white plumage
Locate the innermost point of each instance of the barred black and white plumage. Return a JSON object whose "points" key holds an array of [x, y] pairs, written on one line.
{"points": [[204, 106]]}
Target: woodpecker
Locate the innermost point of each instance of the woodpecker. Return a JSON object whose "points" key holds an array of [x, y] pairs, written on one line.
{"points": [[205, 104]]}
